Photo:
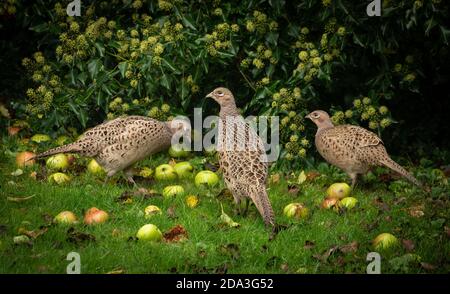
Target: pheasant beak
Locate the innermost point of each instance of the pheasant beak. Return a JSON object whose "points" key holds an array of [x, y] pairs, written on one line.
{"points": [[307, 116], [210, 95]]}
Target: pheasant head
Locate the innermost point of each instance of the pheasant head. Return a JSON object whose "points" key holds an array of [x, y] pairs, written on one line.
{"points": [[321, 119], [225, 98]]}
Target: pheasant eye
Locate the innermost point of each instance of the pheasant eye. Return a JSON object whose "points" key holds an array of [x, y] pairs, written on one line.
{"points": [[220, 93]]}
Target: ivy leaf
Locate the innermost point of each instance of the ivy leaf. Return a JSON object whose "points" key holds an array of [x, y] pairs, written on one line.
{"points": [[122, 68], [171, 66], [94, 67]]}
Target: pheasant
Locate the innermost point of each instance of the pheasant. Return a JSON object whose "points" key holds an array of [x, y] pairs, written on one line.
{"points": [[352, 148], [241, 157], [117, 144]]}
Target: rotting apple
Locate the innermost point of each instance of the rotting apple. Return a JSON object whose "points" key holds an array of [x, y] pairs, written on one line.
{"points": [[95, 216]]}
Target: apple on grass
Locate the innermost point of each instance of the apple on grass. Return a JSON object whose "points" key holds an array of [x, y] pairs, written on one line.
{"points": [[328, 203], [385, 241], [95, 168], [38, 138], [23, 159], [338, 190], [59, 178], [57, 162], [172, 191], [183, 169], [152, 210], [65, 217], [296, 210], [149, 232], [178, 151], [349, 202], [165, 172], [206, 178], [95, 216]]}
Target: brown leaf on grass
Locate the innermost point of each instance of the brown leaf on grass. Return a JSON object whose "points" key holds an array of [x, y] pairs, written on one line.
{"points": [[275, 178], [380, 203], [76, 237], [309, 244], [176, 234], [408, 245], [312, 175], [324, 257], [33, 234], [416, 211], [428, 266], [397, 201], [171, 212], [350, 247], [284, 267], [48, 218], [221, 269], [293, 190], [231, 250]]}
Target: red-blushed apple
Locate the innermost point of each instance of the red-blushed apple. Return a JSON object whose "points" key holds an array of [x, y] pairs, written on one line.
{"points": [[95, 216], [22, 159]]}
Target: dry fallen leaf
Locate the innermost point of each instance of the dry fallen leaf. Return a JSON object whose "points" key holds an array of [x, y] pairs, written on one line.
{"points": [[428, 266], [310, 176], [116, 272], [408, 245], [309, 244], [19, 199], [176, 234], [416, 211], [33, 234], [171, 212], [275, 178], [351, 247], [293, 189]]}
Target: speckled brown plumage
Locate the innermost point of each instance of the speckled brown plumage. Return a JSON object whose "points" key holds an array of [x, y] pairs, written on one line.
{"points": [[352, 148], [117, 144], [241, 156]]}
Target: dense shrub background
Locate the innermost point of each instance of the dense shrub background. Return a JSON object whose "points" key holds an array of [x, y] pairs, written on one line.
{"points": [[160, 58]]}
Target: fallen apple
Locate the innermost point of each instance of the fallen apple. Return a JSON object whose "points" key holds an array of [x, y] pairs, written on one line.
{"points": [[192, 201], [12, 131], [349, 202], [95, 216], [206, 178], [65, 217], [165, 172], [178, 151], [328, 203], [61, 140], [57, 162], [95, 168], [296, 210], [59, 178], [183, 169], [173, 191], [23, 159], [338, 190], [39, 138], [149, 232], [385, 241], [152, 210], [146, 172]]}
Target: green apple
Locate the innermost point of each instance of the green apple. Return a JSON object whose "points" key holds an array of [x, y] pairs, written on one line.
{"points": [[61, 140], [146, 172], [95, 168], [385, 241], [59, 178], [95, 216], [152, 210], [183, 169], [57, 162], [165, 172], [349, 202], [296, 210], [149, 232], [65, 217], [206, 178], [172, 191], [338, 191], [38, 138], [178, 151]]}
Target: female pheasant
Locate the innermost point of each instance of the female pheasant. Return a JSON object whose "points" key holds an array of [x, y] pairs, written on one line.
{"points": [[241, 156], [352, 148], [117, 144]]}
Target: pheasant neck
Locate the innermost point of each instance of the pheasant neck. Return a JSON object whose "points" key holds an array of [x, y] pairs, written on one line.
{"points": [[324, 126], [229, 109]]}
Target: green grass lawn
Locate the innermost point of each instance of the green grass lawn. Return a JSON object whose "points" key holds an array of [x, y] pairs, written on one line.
{"points": [[326, 242]]}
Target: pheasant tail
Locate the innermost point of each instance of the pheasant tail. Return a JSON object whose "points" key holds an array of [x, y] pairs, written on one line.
{"points": [[388, 162], [262, 203], [72, 147]]}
